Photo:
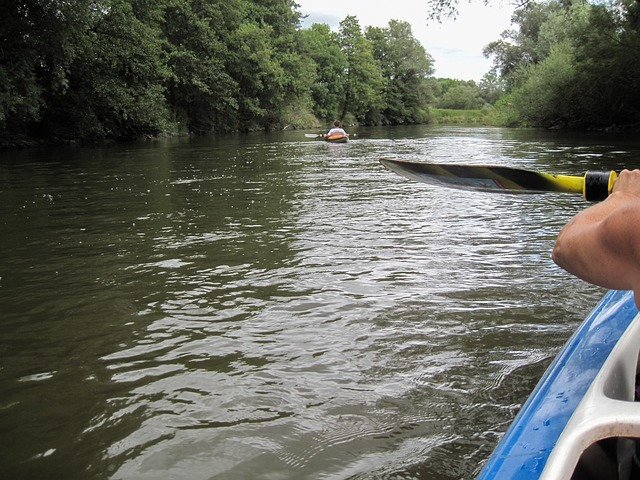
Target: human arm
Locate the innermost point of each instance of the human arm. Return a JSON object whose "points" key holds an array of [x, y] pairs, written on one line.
{"points": [[601, 244]]}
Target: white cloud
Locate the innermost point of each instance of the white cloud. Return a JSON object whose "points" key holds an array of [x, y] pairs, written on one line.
{"points": [[456, 45]]}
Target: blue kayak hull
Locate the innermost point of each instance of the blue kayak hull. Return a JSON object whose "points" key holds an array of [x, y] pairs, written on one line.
{"points": [[524, 451]]}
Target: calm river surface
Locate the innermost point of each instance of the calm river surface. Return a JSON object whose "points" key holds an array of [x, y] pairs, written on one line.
{"points": [[275, 307]]}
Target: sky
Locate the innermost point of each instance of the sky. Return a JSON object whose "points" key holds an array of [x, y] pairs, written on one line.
{"points": [[455, 45]]}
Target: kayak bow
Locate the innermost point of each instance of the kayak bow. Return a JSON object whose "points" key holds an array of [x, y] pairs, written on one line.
{"points": [[594, 185], [582, 406]]}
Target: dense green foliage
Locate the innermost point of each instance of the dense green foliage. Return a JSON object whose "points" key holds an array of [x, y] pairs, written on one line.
{"points": [[571, 64], [95, 69], [456, 116]]}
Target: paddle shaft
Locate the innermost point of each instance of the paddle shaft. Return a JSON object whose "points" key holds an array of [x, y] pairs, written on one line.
{"points": [[317, 135]]}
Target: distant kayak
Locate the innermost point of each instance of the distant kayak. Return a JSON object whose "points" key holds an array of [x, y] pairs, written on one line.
{"points": [[337, 138]]}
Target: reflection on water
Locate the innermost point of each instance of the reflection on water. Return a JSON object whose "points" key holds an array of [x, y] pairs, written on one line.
{"points": [[274, 307]]}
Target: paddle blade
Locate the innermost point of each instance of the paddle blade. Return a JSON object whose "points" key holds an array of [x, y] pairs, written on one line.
{"points": [[594, 185], [485, 178]]}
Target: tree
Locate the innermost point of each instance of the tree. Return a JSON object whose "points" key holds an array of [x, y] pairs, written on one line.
{"points": [[463, 96], [116, 82], [574, 65], [291, 90], [492, 87], [362, 79], [607, 56], [520, 46], [39, 40], [200, 91], [546, 93], [405, 65], [322, 46]]}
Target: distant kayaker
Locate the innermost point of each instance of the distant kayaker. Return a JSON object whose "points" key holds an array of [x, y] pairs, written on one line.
{"points": [[601, 244], [336, 130]]}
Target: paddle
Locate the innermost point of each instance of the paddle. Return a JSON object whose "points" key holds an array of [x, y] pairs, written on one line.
{"points": [[593, 185], [316, 135]]}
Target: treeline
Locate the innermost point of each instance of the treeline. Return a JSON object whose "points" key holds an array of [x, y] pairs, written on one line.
{"points": [[116, 69], [570, 64], [95, 69]]}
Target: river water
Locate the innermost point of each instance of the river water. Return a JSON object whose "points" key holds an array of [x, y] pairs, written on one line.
{"points": [[275, 307]]}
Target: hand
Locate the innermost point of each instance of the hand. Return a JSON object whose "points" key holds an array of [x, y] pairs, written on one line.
{"points": [[628, 183]]}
